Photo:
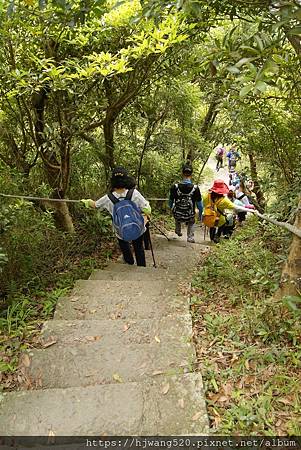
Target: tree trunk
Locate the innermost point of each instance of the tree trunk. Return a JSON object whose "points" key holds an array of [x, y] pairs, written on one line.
{"points": [[147, 137], [257, 189], [108, 130], [291, 273], [209, 118], [62, 218]]}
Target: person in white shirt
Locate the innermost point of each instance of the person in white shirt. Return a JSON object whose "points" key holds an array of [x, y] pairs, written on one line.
{"points": [[119, 189]]}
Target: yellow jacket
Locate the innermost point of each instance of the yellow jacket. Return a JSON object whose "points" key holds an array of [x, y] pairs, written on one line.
{"points": [[221, 204]]}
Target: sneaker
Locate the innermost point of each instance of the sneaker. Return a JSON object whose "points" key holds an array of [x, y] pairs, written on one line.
{"points": [[191, 240], [179, 234]]}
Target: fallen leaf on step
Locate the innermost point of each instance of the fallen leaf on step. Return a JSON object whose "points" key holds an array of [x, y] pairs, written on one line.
{"points": [[51, 437], [157, 339], [181, 403], [74, 299], [126, 327], [49, 342], [165, 389], [197, 416], [25, 360], [158, 372], [92, 338], [19, 377], [285, 401], [117, 377]]}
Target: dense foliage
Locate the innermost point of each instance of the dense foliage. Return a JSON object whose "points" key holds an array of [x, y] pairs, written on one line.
{"points": [[88, 84], [248, 341]]}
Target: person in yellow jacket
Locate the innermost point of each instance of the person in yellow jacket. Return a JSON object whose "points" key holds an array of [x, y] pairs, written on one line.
{"points": [[215, 203]]}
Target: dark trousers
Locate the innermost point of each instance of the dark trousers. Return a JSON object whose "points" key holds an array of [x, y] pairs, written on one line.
{"points": [[219, 163], [225, 230], [241, 216], [125, 247], [146, 237], [212, 233]]}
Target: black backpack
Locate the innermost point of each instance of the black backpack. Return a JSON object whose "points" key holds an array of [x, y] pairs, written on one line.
{"points": [[183, 209]]}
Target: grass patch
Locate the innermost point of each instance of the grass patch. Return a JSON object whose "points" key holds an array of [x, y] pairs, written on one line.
{"points": [[247, 341]]}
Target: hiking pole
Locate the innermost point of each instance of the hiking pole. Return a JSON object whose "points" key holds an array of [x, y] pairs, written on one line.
{"points": [[152, 250], [159, 229]]}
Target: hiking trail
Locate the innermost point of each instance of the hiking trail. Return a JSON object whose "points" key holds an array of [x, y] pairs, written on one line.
{"points": [[118, 356]]}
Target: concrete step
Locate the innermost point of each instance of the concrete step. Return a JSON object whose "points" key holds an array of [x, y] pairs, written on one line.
{"points": [[96, 299], [176, 261], [160, 406], [131, 273], [89, 363], [117, 332]]}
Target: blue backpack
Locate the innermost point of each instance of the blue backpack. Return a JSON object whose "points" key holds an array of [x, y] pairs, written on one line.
{"points": [[127, 218]]}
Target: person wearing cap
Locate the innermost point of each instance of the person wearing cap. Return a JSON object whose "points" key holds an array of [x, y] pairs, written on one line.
{"points": [[146, 237], [217, 197], [187, 188], [233, 156], [120, 182]]}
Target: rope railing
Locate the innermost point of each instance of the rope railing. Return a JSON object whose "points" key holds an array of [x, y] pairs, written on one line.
{"points": [[45, 199], [296, 231], [285, 225], [48, 199]]}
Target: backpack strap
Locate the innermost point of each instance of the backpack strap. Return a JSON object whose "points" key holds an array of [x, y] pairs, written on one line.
{"points": [[194, 187], [241, 196], [129, 194], [112, 197], [219, 210]]}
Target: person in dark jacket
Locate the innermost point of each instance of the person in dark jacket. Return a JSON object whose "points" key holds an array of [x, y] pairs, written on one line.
{"points": [[183, 199]]}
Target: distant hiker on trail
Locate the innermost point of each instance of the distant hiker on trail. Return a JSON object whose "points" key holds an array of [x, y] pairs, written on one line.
{"points": [[233, 156], [234, 178], [241, 196], [215, 205], [126, 207], [219, 155], [183, 199]]}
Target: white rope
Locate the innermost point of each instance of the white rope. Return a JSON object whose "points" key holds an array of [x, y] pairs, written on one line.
{"points": [[25, 197]]}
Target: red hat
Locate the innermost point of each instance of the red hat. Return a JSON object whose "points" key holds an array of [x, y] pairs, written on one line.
{"points": [[219, 187]]}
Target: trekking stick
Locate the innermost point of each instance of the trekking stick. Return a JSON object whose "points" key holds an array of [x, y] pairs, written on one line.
{"points": [[159, 229], [151, 246]]}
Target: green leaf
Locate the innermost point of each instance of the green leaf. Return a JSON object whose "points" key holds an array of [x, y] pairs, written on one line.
{"points": [[233, 69], [258, 42], [243, 61], [245, 90], [271, 66], [261, 86], [293, 303], [296, 31]]}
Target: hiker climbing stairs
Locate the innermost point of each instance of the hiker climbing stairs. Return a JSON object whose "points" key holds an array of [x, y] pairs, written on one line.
{"points": [[117, 359]]}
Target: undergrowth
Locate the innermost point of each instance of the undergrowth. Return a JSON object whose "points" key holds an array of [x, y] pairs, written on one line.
{"points": [[247, 338], [41, 266]]}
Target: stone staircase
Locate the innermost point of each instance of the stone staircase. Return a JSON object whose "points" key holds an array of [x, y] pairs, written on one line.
{"points": [[118, 357]]}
